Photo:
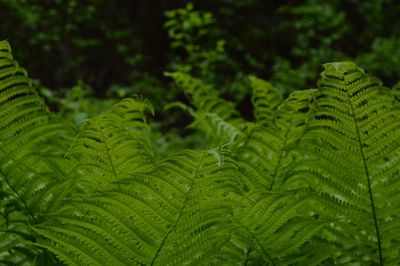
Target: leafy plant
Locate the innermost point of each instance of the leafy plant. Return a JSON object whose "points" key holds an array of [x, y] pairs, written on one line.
{"points": [[198, 52], [339, 141], [312, 181], [187, 28]]}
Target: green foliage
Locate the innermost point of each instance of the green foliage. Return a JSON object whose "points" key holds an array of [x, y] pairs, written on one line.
{"points": [[101, 42], [384, 49], [31, 172], [189, 31], [355, 126], [199, 52], [341, 142], [186, 26], [313, 180], [212, 114], [77, 32]]}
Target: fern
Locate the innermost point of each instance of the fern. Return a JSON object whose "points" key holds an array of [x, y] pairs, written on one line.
{"points": [[32, 174], [183, 211], [114, 145], [313, 181], [265, 99], [27, 195], [265, 150], [25, 118], [132, 223], [215, 117], [351, 152]]}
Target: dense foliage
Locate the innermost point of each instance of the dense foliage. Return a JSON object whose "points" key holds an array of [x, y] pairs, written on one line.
{"points": [[314, 180], [149, 134]]}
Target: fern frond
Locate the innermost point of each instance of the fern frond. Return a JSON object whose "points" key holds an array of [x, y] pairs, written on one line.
{"points": [[279, 224], [265, 99], [135, 223], [115, 144], [28, 193], [25, 118], [190, 210], [264, 151], [352, 156], [214, 116], [33, 173], [204, 96]]}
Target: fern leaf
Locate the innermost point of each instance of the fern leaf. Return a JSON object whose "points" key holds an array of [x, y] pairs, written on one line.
{"points": [[204, 96], [352, 156], [25, 118], [33, 173], [215, 117], [265, 99], [264, 151], [190, 210], [135, 222], [28, 193], [114, 145]]}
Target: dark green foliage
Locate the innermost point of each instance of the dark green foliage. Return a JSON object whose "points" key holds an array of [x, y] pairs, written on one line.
{"points": [[352, 158], [340, 141], [312, 181], [32, 173], [115, 43]]}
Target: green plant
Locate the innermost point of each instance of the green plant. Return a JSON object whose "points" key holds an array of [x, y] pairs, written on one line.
{"points": [[340, 141], [355, 126], [187, 28], [101, 197], [384, 49], [197, 51], [313, 181]]}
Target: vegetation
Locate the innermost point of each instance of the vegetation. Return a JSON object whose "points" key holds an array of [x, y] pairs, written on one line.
{"points": [[270, 191], [172, 148]]}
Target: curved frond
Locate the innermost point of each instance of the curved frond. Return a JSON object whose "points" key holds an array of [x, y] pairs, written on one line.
{"points": [[265, 99], [25, 120], [33, 173], [352, 157], [115, 144], [264, 151], [204, 97], [28, 192], [134, 223]]}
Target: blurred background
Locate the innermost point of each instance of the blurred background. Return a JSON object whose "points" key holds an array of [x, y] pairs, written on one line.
{"points": [[85, 55]]}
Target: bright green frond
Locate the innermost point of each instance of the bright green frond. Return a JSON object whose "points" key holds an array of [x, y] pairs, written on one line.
{"points": [[114, 145], [264, 151], [352, 156], [133, 223], [25, 118], [265, 99]]}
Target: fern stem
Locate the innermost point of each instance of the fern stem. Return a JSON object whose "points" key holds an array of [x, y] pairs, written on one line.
{"points": [[254, 238], [25, 205], [109, 158], [371, 196], [182, 210], [281, 153], [248, 252]]}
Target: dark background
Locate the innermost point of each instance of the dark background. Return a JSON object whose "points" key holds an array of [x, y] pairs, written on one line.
{"points": [[103, 43]]}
